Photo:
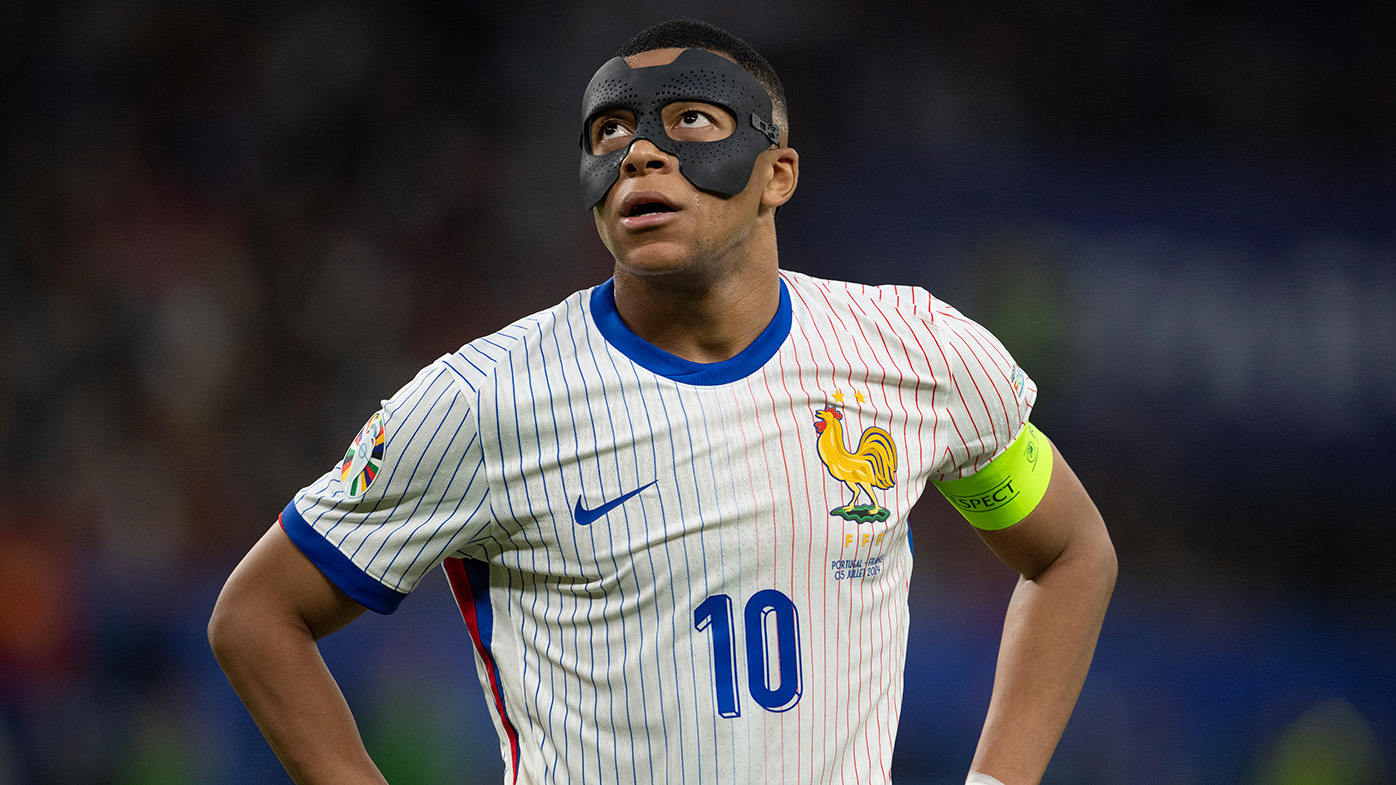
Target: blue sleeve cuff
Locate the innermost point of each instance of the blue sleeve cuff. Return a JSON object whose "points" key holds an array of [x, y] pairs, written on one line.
{"points": [[337, 567]]}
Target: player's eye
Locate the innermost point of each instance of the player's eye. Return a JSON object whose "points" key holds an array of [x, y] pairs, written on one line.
{"points": [[691, 121], [695, 119], [608, 133]]}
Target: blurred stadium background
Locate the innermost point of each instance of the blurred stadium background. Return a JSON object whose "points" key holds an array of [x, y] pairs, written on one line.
{"points": [[229, 229]]}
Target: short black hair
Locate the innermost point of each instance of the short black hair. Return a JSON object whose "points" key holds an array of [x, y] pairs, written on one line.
{"points": [[693, 34]]}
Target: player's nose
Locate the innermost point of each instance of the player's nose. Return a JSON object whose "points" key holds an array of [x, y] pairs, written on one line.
{"points": [[643, 158]]}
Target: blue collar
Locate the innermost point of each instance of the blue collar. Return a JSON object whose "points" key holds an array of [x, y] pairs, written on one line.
{"points": [[652, 358]]}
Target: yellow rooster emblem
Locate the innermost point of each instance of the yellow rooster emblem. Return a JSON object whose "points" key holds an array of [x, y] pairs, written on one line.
{"points": [[870, 466]]}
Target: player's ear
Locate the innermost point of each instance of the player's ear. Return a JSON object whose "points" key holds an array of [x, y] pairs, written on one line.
{"points": [[785, 175]]}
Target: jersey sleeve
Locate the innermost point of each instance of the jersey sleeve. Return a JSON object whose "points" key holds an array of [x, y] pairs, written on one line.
{"points": [[409, 492], [991, 397]]}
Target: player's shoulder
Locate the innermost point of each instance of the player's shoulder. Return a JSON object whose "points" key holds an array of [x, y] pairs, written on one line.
{"points": [[909, 315], [479, 362], [911, 306]]}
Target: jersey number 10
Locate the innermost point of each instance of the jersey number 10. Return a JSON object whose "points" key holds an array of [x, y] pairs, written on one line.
{"points": [[772, 650]]}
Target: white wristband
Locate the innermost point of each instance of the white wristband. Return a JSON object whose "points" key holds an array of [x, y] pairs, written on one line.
{"points": [[975, 778]]}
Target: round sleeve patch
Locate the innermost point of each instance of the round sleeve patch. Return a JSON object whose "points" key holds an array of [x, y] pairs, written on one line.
{"points": [[364, 458]]}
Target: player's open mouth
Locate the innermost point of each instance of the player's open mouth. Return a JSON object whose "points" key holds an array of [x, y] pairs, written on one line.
{"points": [[645, 208], [648, 208]]}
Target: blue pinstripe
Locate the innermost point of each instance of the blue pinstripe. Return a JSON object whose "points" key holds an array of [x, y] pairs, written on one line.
{"points": [[625, 518], [444, 519], [732, 490], [526, 660], [548, 596], [606, 599], [654, 573], [562, 478], [692, 656], [439, 423]]}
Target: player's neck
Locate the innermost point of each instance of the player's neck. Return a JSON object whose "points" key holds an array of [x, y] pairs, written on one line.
{"points": [[700, 320]]}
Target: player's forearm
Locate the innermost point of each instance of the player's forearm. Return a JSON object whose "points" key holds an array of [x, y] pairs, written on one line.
{"points": [[276, 668], [1049, 638]]}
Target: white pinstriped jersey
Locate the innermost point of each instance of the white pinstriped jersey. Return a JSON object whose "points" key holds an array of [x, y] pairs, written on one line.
{"points": [[666, 579]]}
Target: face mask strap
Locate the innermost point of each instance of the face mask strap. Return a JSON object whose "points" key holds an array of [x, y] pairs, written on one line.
{"points": [[769, 130]]}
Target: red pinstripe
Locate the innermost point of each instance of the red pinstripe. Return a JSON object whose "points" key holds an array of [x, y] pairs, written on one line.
{"points": [[838, 590], [801, 338], [823, 290], [978, 358], [935, 385], [858, 347], [775, 531], [905, 492], [838, 587], [804, 473]]}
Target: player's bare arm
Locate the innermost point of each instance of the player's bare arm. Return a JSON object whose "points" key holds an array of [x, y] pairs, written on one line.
{"points": [[1067, 569], [271, 612]]}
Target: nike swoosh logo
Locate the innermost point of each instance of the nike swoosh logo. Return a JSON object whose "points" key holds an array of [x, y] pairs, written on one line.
{"points": [[585, 517]]}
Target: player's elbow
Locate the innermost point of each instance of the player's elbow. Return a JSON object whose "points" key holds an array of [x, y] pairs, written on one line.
{"points": [[226, 627], [1104, 564], [236, 624], [1109, 571], [1112, 562], [1090, 560]]}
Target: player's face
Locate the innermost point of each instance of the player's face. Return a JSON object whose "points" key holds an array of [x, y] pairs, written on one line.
{"points": [[653, 219]]}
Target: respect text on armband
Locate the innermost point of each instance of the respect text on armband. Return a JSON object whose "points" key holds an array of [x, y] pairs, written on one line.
{"points": [[998, 496]]}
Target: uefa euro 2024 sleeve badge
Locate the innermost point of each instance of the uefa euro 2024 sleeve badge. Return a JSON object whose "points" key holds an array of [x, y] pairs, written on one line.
{"points": [[364, 458], [872, 465]]}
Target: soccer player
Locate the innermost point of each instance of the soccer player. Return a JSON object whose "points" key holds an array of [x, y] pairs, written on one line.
{"points": [[673, 508]]}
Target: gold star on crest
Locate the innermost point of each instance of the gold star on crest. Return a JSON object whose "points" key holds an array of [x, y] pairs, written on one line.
{"points": [[838, 397], [859, 396]]}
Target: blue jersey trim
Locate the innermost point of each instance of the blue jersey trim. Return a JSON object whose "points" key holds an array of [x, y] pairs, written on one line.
{"points": [[337, 567], [651, 357]]}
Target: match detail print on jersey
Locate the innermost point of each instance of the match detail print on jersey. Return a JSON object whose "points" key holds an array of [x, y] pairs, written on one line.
{"points": [[1005, 491]]}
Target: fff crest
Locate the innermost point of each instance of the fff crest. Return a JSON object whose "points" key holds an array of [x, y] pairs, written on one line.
{"points": [[871, 465]]}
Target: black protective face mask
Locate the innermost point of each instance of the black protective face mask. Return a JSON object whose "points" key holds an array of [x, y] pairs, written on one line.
{"points": [[723, 166]]}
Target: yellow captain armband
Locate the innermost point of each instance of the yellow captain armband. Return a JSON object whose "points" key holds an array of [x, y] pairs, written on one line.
{"points": [[1010, 487]]}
